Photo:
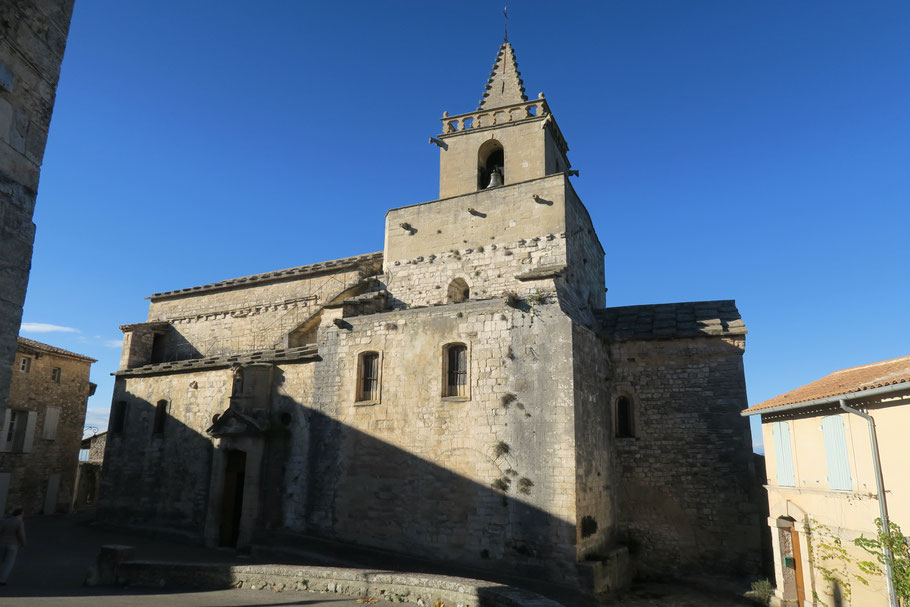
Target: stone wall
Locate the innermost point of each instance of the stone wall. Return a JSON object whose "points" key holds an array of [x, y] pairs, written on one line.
{"points": [[584, 280], [32, 39], [687, 492], [594, 475], [168, 485], [255, 317], [36, 391], [486, 479]]}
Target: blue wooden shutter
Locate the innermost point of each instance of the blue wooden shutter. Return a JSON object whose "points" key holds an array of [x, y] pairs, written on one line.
{"points": [[782, 456], [836, 453]]}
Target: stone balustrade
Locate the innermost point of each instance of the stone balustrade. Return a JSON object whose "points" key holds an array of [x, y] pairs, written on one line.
{"points": [[517, 112]]}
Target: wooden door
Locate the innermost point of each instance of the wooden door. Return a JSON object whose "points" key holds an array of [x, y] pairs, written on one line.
{"points": [[798, 567]]}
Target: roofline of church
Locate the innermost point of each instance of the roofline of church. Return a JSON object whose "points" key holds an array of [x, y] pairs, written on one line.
{"points": [[324, 267]]}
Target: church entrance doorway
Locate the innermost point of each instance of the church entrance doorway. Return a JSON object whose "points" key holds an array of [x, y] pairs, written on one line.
{"points": [[232, 498]]}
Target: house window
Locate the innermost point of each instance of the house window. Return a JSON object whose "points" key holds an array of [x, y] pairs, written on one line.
{"points": [[836, 453], [780, 433], [368, 377], [25, 363], [625, 427], [160, 417], [455, 362], [118, 417], [55, 374], [458, 291], [18, 431]]}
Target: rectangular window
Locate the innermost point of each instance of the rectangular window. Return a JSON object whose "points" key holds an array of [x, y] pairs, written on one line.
{"points": [[456, 361], [780, 431], [368, 377], [51, 417], [836, 453], [25, 363], [160, 417], [55, 374], [118, 417], [18, 431]]}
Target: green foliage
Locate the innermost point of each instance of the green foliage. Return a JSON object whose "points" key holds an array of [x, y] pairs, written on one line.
{"points": [[501, 449], [507, 399], [524, 485], [762, 591], [897, 544], [830, 558], [501, 484]]}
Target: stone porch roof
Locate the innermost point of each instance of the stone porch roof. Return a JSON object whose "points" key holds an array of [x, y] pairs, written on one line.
{"points": [[223, 361], [335, 265], [839, 383], [670, 321], [30, 346]]}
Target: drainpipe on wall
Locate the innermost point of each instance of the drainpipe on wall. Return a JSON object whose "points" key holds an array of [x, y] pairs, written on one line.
{"points": [[882, 503]]}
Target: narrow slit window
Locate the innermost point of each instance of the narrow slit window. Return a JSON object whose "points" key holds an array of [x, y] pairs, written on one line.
{"points": [[625, 427], [456, 360], [160, 417], [25, 364], [55, 375], [118, 416], [368, 377]]}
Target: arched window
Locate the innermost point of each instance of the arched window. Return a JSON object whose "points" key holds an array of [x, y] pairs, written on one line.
{"points": [[368, 377], [455, 370], [624, 418], [160, 417], [490, 160], [458, 291]]}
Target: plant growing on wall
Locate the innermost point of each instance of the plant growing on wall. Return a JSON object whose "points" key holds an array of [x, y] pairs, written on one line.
{"points": [[892, 538], [830, 559]]}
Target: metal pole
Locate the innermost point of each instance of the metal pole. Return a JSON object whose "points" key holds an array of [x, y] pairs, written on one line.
{"points": [[882, 502]]}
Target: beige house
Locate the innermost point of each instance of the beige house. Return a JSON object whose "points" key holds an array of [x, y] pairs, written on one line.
{"points": [[830, 447]]}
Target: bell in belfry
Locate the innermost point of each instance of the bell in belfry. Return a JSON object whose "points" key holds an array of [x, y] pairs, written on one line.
{"points": [[495, 179]]}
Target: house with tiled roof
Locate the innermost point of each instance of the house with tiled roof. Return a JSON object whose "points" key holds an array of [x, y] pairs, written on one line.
{"points": [[836, 456], [41, 428]]}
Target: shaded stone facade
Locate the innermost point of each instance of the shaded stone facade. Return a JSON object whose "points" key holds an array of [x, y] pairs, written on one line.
{"points": [[41, 427], [453, 396], [32, 40]]}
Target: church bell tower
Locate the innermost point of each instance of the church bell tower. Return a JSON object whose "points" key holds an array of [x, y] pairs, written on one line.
{"points": [[508, 221]]}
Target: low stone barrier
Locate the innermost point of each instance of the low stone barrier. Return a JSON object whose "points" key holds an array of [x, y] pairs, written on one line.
{"points": [[385, 586]]}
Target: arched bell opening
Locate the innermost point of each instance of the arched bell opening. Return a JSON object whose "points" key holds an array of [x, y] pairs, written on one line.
{"points": [[490, 163]]}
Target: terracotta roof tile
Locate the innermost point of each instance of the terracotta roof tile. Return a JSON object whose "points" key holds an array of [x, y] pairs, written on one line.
{"points": [[845, 381], [31, 344]]}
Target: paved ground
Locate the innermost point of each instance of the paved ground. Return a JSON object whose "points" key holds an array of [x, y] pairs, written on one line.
{"points": [[51, 569]]}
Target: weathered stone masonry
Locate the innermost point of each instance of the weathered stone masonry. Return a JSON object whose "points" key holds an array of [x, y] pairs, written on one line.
{"points": [[325, 400], [41, 428], [32, 40]]}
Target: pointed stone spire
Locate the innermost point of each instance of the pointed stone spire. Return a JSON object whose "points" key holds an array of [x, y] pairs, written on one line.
{"points": [[504, 86]]}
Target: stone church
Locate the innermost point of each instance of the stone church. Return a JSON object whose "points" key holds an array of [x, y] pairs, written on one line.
{"points": [[463, 395]]}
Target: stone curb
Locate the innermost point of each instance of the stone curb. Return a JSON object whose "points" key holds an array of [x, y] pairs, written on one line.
{"points": [[385, 586]]}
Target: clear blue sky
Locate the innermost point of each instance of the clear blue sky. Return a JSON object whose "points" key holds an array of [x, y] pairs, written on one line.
{"points": [[750, 150]]}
